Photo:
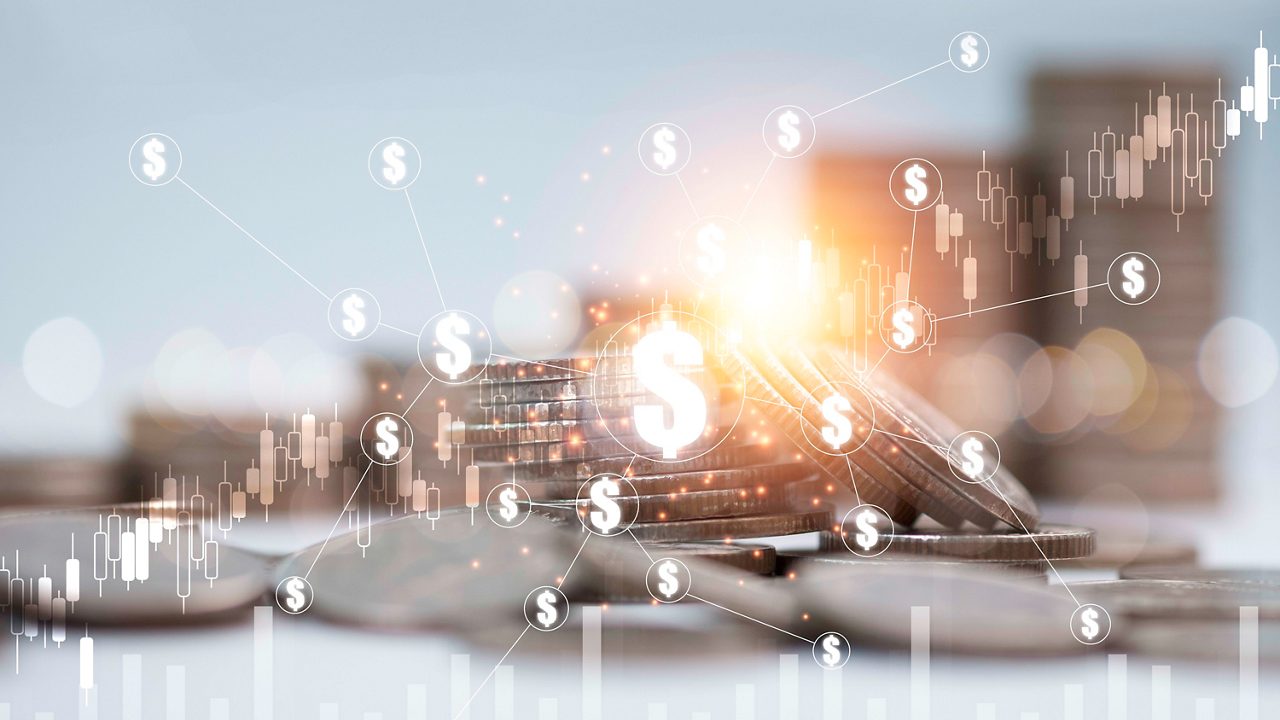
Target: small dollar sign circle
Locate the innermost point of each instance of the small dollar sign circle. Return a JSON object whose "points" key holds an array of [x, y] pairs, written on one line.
{"points": [[353, 321], [969, 50], [607, 514], [831, 650], [155, 166], [668, 583], [868, 535], [916, 190], [687, 404], [711, 240], [393, 169], [294, 595], [838, 429], [509, 509], [664, 154], [1090, 624], [547, 612], [1134, 283], [388, 444], [456, 356], [904, 332], [973, 463], [789, 130]]}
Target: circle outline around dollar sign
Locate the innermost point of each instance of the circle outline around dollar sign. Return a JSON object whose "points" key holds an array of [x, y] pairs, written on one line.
{"points": [[862, 410], [373, 314], [644, 147], [1103, 628], [924, 333], [991, 449], [806, 126], [851, 516], [935, 186], [563, 606], [411, 157], [844, 645], [652, 578], [406, 442], [282, 590], [174, 160], [491, 502], [984, 54], [1115, 277], [479, 360]]}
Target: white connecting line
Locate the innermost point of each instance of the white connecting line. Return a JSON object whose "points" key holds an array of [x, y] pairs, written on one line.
{"points": [[341, 512], [772, 158], [881, 89], [249, 235], [422, 240], [1018, 302], [1033, 542], [588, 373]]}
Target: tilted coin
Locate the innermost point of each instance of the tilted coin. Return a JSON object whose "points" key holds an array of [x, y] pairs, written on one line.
{"points": [[1242, 577], [901, 411], [798, 380], [784, 416], [661, 483], [755, 558], [696, 504], [791, 564], [1179, 599], [1046, 543]]}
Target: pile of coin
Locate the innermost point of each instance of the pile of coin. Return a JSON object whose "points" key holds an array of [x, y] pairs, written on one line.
{"points": [[755, 471]]}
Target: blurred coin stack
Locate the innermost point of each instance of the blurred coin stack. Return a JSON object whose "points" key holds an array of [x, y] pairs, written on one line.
{"points": [[1126, 405]]}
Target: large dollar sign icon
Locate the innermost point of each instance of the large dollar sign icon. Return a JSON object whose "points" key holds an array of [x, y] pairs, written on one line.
{"points": [[711, 240], [838, 429], [547, 612], [155, 166], [507, 498], [789, 131], [831, 653], [1134, 283], [973, 464], [668, 583], [394, 169], [688, 405], [917, 190], [293, 589], [458, 354], [294, 595], [664, 149], [969, 50], [388, 444], [354, 321], [904, 331], [608, 514], [1089, 623], [868, 535]]}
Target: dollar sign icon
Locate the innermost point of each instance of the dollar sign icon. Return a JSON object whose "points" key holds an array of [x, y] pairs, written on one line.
{"points": [[294, 594], [973, 464], [664, 149], [1134, 283], [393, 170], [507, 498], [969, 50], [789, 131], [388, 444], [608, 513], [1089, 623], [668, 583], [831, 653], [904, 332], [153, 152], [458, 354], [354, 320], [687, 403], [838, 429], [868, 535], [547, 612], [293, 589], [711, 239], [916, 190]]}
